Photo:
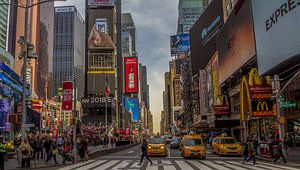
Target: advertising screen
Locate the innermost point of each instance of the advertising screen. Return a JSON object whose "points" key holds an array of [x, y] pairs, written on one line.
{"points": [[235, 42], [131, 74], [5, 109], [101, 2], [67, 96], [210, 92], [203, 35], [180, 43], [132, 106], [276, 27]]}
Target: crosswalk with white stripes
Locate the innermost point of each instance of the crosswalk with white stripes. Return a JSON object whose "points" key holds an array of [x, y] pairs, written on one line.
{"points": [[173, 165]]}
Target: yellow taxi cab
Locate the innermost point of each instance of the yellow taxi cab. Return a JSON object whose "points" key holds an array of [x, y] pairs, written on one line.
{"points": [[157, 146], [226, 146], [192, 146]]}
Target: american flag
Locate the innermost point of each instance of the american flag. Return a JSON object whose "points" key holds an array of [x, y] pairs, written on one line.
{"points": [[107, 88]]}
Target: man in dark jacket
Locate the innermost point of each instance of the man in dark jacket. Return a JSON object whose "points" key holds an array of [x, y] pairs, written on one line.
{"points": [[145, 152]]}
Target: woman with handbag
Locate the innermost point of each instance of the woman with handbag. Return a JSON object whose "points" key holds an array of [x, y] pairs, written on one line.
{"points": [[26, 152]]}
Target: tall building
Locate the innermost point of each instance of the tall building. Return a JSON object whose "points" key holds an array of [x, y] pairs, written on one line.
{"points": [[68, 60], [162, 123], [128, 26], [144, 87], [6, 36], [103, 61], [189, 11], [3, 24], [167, 103], [126, 44]]}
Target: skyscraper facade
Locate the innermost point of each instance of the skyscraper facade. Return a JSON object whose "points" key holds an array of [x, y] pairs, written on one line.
{"points": [[128, 26], [3, 24], [189, 11], [126, 44], [144, 87], [68, 60]]}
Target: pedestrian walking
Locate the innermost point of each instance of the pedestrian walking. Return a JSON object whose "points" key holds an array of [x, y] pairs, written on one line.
{"points": [[245, 152], [26, 152], [145, 152], [279, 153], [47, 146], [2, 153], [82, 151], [251, 152], [38, 148], [54, 152], [17, 143]]}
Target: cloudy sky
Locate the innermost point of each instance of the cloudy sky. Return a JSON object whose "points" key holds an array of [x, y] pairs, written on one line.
{"points": [[155, 21]]}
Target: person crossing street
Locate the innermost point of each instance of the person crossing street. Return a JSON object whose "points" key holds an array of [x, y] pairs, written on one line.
{"points": [[145, 152]]}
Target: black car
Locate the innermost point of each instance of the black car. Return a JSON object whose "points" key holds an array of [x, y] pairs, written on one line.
{"points": [[175, 142]]}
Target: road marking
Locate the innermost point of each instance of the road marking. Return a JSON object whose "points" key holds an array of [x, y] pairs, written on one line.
{"points": [[166, 162], [92, 165], [183, 165], [212, 164], [136, 165], [107, 165], [199, 165], [229, 165], [153, 167], [245, 166], [76, 165], [130, 151], [122, 165], [277, 166]]}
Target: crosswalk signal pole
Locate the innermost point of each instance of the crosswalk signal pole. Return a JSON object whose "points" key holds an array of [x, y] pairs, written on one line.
{"points": [[276, 88]]}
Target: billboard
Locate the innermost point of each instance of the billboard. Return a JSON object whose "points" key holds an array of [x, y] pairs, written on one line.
{"points": [[132, 106], [180, 43], [210, 92], [203, 35], [203, 92], [276, 27], [101, 2], [67, 95], [131, 74], [97, 101], [262, 108], [235, 42], [215, 77], [5, 109]]}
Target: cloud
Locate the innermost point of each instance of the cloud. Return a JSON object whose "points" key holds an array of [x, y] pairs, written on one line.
{"points": [[155, 21]]}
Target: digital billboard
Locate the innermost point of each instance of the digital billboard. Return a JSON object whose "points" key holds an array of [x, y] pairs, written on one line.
{"points": [[132, 106], [67, 96], [277, 34], [235, 42], [5, 109], [203, 35], [180, 43], [131, 74], [101, 2]]}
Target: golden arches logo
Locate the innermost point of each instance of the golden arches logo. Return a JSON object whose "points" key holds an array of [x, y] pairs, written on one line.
{"points": [[262, 106], [222, 98], [245, 98], [254, 77]]}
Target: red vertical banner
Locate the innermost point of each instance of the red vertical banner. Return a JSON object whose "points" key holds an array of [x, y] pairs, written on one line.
{"points": [[67, 96], [131, 74]]}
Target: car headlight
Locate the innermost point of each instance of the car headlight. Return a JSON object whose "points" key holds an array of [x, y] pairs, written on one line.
{"points": [[222, 146], [149, 147], [162, 147]]}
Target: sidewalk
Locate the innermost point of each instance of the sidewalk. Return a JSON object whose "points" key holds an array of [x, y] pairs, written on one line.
{"points": [[13, 164], [293, 159]]}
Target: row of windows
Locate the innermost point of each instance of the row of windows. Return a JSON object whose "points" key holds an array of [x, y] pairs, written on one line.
{"points": [[100, 60]]}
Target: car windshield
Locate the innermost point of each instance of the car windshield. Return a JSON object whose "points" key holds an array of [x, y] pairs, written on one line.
{"points": [[193, 142], [175, 140], [228, 141], [156, 141]]}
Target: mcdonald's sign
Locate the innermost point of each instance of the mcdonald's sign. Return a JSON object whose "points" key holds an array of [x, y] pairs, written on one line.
{"points": [[262, 108], [223, 107]]}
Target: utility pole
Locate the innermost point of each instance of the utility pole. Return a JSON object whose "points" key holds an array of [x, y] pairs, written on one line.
{"points": [[277, 92], [25, 56]]}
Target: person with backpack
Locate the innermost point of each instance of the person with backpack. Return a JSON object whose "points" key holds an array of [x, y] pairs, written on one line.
{"points": [[279, 153]]}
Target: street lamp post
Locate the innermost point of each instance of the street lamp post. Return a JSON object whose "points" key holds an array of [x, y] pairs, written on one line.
{"points": [[25, 55]]}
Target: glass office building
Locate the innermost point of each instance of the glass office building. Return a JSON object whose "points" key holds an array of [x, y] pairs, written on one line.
{"points": [[68, 47]]}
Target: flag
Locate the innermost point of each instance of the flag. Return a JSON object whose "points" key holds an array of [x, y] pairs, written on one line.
{"points": [[107, 88]]}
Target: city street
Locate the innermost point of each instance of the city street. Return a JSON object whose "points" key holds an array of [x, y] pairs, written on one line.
{"points": [[129, 159]]}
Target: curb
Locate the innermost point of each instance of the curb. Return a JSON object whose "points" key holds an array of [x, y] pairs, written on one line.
{"points": [[111, 150]]}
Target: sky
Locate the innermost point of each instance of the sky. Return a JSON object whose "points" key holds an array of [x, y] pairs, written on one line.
{"points": [[155, 21]]}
